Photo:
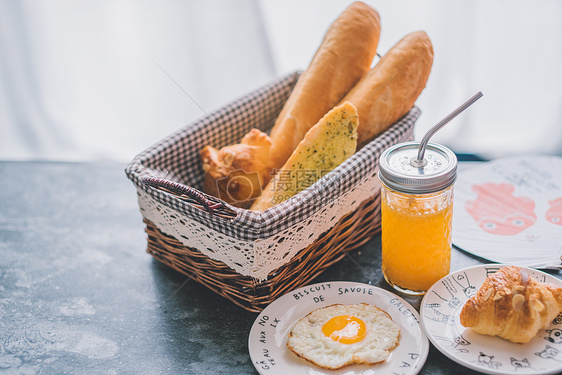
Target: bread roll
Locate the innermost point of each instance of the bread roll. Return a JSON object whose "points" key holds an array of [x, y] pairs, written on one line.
{"points": [[344, 56], [389, 90], [235, 173]]}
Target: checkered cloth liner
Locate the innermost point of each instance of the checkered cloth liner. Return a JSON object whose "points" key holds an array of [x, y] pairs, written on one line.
{"points": [[177, 159]]}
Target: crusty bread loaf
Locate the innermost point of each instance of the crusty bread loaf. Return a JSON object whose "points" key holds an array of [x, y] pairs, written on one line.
{"points": [[389, 90], [344, 56]]}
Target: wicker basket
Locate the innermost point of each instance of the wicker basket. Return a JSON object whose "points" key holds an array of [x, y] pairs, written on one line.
{"points": [[252, 258]]}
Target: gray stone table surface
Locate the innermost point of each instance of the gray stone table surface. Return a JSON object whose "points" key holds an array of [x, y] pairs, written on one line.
{"points": [[79, 294]]}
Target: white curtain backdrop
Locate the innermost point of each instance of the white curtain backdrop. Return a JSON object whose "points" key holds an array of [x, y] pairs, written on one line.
{"points": [[100, 79]]}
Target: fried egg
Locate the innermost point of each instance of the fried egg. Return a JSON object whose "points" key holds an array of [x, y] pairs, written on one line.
{"points": [[339, 335]]}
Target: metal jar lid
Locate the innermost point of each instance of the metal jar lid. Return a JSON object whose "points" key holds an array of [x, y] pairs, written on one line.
{"points": [[399, 171]]}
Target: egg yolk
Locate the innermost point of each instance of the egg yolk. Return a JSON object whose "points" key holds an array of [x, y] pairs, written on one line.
{"points": [[346, 329]]}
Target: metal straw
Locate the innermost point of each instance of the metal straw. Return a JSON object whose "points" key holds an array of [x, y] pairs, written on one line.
{"points": [[420, 161]]}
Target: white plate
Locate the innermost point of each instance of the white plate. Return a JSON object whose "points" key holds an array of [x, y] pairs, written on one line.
{"points": [[510, 211], [268, 337], [440, 311]]}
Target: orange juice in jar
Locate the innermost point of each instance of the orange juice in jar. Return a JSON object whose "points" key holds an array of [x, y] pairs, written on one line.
{"points": [[416, 215]]}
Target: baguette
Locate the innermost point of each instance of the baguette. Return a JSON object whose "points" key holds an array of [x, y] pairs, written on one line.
{"points": [[344, 56], [389, 90], [325, 146]]}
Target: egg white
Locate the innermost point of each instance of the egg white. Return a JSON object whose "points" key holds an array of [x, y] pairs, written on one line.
{"points": [[307, 340]]}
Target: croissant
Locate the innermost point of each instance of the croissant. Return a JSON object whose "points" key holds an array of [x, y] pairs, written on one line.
{"points": [[512, 305], [236, 173]]}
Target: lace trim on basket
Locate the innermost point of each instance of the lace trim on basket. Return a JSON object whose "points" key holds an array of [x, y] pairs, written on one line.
{"points": [[260, 257]]}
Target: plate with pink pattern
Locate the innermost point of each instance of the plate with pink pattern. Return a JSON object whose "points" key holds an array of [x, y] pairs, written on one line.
{"points": [[510, 211]]}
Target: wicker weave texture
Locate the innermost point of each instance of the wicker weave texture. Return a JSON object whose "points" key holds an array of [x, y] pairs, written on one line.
{"points": [[349, 233]]}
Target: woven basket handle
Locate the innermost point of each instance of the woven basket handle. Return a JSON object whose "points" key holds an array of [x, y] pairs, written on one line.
{"points": [[184, 190]]}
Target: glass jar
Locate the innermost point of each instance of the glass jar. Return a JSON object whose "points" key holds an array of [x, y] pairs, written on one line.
{"points": [[416, 215]]}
